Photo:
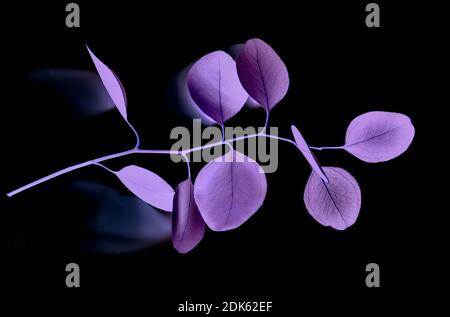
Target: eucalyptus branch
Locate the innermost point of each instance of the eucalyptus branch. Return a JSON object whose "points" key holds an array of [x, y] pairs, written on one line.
{"points": [[224, 202]]}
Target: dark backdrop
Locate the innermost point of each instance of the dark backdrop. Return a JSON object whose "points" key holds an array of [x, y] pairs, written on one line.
{"points": [[338, 69]]}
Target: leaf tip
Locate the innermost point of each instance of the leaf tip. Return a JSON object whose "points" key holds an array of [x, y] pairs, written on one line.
{"points": [[93, 57], [294, 129]]}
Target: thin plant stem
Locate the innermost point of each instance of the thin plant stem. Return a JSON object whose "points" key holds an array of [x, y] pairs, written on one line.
{"points": [[327, 148], [142, 151]]}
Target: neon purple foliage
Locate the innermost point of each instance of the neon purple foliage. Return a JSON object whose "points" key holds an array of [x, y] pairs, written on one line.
{"points": [[230, 189], [188, 226], [262, 73], [336, 203], [304, 148], [148, 186], [379, 136], [215, 87], [112, 84]]}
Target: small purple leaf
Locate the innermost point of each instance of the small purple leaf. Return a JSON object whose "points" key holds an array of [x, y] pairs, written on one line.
{"points": [[188, 226], [229, 191], [112, 84], [262, 73], [304, 148], [379, 136], [215, 87], [148, 186], [336, 203]]}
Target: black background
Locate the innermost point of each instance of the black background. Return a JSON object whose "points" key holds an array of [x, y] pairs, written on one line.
{"points": [[338, 69]]}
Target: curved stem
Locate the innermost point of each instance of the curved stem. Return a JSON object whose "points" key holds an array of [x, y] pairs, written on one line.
{"points": [[327, 148], [104, 167], [263, 135], [266, 123], [281, 139], [188, 165], [139, 151], [202, 147], [138, 139], [67, 170]]}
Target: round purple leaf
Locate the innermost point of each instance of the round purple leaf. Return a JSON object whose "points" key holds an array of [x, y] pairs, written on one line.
{"points": [[262, 73], [215, 87], [229, 190], [379, 136], [336, 203]]}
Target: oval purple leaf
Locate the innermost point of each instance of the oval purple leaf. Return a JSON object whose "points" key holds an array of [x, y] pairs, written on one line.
{"points": [[188, 226], [262, 73], [112, 84], [335, 204], [148, 186], [215, 87], [229, 191], [304, 148], [379, 136]]}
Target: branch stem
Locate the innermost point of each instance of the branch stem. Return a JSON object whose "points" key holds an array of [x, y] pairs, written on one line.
{"points": [[142, 151]]}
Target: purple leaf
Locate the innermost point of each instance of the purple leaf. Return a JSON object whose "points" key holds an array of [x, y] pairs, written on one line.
{"points": [[228, 191], [148, 186], [262, 73], [304, 148], [215, 87], [336, 203], [379, 136], [112, 84], [188, 226]]}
